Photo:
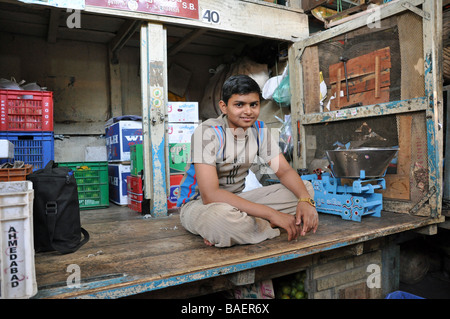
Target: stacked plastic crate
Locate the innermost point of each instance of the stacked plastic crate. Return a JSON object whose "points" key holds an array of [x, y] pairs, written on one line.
{"points": [[26, 120], [18, 275], [135, 193], [92, 183], [183, 119], [121, 134]]}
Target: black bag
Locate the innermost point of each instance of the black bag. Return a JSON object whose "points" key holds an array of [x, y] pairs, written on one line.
{"points": [[56, 210]]}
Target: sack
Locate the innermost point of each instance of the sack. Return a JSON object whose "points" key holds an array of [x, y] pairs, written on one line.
{"points": [[56, 210], [282, 93]]}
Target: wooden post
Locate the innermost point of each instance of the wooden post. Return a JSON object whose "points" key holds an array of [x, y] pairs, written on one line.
{"points": [[115, 86], [338, 88], [377, 77], [432, 43], [297, 103], [154, 104]]}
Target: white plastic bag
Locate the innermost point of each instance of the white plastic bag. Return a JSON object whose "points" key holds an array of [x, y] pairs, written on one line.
{"points": [[271, 85]]}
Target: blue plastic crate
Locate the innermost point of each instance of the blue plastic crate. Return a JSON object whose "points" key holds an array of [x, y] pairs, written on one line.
{"points": [[36, 148], [402, 295]]}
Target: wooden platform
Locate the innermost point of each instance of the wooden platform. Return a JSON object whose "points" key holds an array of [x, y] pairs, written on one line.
{"points": [[129, 254]]}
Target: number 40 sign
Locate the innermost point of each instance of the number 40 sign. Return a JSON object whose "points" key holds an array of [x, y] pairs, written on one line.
{"points": [[210, 16]]}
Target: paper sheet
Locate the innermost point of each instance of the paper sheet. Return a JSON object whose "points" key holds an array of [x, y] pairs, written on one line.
{"points": [[72, 4]]}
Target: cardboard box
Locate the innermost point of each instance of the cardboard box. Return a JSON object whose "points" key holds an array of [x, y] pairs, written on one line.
{"points": [[179, 156], [119, 137], [6, 149], [182, 111], [181, 132], [137, 159], [180, 146], [175, 181], [117, 174], [259, 290]]}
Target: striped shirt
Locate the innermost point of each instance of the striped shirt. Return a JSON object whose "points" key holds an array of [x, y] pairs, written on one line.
{"points": [[214, 143]]}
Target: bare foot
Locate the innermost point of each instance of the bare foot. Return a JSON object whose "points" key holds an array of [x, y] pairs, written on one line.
{"points": [[207, 242]]}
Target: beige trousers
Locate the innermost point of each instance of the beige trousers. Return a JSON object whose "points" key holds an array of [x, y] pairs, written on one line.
{"points": [[224, 225]]}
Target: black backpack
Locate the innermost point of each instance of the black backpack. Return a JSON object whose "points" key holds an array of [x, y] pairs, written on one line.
{"points": [[56, 210]]}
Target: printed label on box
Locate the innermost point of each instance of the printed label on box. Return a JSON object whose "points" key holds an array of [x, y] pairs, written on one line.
{"points": [[174, 191], [118, 183], [179, 156], [181, 132], [182, 111], [119, 138]]}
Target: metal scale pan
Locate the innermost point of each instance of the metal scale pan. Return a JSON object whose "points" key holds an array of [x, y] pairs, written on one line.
{"points": [[349, 163], [366, 166]]}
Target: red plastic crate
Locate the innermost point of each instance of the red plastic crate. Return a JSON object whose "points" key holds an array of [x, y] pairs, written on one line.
{"points": [[134, 184], [26, 111], [135, 205], [134, 188], [134, 193], [15, 174]]}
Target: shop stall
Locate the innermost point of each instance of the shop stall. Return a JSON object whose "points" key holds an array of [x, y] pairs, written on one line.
{"points": [[369, 80]]}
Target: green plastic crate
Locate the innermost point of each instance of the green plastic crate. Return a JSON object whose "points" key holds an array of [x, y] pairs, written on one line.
{"points": [[92, 182], [137, 159]]}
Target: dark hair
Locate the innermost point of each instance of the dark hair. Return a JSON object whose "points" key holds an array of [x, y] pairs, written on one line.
{"points": [[239, 84]]}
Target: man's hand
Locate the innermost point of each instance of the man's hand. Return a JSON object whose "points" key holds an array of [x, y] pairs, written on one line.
{"points": [[308, 216], [287, 222]]}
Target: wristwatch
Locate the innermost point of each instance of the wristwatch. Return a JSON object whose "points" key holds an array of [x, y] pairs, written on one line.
{"points": [[309, 200]]}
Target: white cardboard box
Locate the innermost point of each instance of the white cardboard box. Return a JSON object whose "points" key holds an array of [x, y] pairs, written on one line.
{"points": [[117, 174], [119, 137], [181, 132], [6, 149], [182, 112]]}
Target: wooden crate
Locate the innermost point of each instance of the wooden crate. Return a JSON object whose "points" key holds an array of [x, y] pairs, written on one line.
{"points": [[15, 174], [368, 79]]}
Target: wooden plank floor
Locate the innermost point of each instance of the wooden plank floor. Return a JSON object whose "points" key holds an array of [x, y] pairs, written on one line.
{"points": [[128, 254]]}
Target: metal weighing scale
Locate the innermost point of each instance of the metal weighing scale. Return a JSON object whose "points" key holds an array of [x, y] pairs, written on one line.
{"points": [[366, 167]]}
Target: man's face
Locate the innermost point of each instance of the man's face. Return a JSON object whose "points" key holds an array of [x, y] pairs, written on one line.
{"points": [[242, 110]]}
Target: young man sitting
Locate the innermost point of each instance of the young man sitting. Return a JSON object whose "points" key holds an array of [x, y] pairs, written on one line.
{"points": [[223, 150]]}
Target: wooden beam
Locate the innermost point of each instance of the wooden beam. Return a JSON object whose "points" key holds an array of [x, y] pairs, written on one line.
{"points": [[361, 7], [394, 107], [185, 41], [362, 19], [53, 24], [115, 85], [356, 250], [276, 21], [125, 32], [427, 230], [154, 113], [241, 278], [296, 76], [445, 224], [432, 39], [308, 5], [311, 72]]}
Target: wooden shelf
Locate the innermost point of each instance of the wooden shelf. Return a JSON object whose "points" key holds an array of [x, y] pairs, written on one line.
{"points": [[128, 254]]}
